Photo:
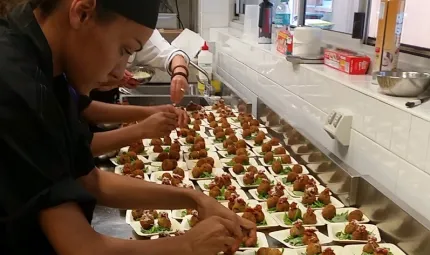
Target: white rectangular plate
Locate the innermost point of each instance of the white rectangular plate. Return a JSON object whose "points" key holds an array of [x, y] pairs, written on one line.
{"points": [[209, 148], [293, 162], [259, 168], [305, 170], [224, 154], [334, 201], [239, 179], [240, 192], [284, 234], [297, 146], [338, 250], [271, 222], [155, 177], [332, 229], [357, 249], [252, 162], [298, 194], [140, 157], [258, 151], [340, 211], [118, 170], [129, 217], [137, 228], [279, 217], [281, 177], [156, 166], [261, 242], [215, 172], [203, 183]]}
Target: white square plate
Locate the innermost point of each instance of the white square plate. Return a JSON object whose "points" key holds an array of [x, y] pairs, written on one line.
{"points": [[239, 179], [299, 194], [240, 131], [156, 176], [305, 170], [140, 157], [332, 229], [338, 250], [125, 150], [281, 178], [118, 170], [259, 168], [152, 157], [297, 146], [137, 228], [215, 172], [261, 242], [209, 148], [340, 211], [203, 183], [178, 214], [156, 166], [284, 234], [226, 161], [334, 201], [259, 153], [357, 249], [185, 224], [240, 192], [279, 217], [254, 195]]}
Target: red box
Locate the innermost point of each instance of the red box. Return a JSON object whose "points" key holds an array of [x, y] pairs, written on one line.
{"points": [[346, 61]]}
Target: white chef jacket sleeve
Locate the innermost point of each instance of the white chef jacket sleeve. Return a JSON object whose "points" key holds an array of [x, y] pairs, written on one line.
{"points": [[157, 53]]}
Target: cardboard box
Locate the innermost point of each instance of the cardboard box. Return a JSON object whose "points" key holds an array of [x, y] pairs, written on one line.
{"points": [[346, 61], [390, 24]]}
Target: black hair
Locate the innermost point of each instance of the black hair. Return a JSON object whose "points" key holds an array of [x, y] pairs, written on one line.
{"points": [[48, 6]]}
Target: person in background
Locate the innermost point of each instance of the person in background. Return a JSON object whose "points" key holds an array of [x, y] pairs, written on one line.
{"points": [[48, 182]]}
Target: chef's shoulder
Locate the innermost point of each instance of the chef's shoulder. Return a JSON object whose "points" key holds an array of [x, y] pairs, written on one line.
{"points": [[20, 74]]}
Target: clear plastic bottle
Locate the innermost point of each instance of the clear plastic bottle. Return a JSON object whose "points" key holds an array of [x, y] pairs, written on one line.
{"points": [[282, 15]]}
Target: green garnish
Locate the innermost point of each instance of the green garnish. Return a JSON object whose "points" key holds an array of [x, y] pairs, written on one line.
{"points": [[317, 204], [285, 171], [243, 245], [297, 216], [220, 140], [232, 163], [155, 229], [263, 223], [206, 186], [271, 210], [167, 149], [258, 181], [295, 241], [389, 253], [263, 196], [221, 195], [284, 181], [343, 236], [183, 214], [206, 175], [343, 217]]}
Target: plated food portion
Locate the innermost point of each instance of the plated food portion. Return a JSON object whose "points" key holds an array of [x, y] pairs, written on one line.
{"points": [[234, 159]]}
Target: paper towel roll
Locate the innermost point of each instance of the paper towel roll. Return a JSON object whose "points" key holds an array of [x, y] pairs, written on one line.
{"points": [[307, 41], [250, 25]]}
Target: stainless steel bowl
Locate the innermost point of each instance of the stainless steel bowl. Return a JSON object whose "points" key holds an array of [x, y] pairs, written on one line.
{"points": [[403, 84], [136, 69]]}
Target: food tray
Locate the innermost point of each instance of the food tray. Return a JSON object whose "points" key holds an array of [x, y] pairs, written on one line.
{"points": [[340, 211], [140, 157], [305, 170], [203, 183], [332, 229], [357, 249], [239, 179], [284, 234]]}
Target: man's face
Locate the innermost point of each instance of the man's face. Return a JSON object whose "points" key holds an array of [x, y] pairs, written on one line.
{"points": [[98, 51]]}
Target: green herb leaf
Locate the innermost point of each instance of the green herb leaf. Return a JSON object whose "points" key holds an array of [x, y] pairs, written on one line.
{"points": [[365, 253], [206, 175], [343, 217], [206, 186], [343, 236], [286, 170], [318, 204], [155, 229], [263, 223], [295, 241], [284, 181], [263, 196], [287, 220], [271, 210], [167, 149], [183, 214]]}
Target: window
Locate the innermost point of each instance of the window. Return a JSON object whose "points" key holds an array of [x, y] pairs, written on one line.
{"points": [[336, 15], [416, 29]]}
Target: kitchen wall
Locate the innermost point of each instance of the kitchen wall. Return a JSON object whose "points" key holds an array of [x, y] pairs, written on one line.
{"points": [[390, 145]]}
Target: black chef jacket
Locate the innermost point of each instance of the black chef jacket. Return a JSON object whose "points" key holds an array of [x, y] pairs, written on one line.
{"points": [[42, 148]]}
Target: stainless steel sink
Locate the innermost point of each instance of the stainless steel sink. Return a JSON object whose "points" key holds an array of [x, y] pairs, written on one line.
{"points": [[149, 100], [159, 90]]}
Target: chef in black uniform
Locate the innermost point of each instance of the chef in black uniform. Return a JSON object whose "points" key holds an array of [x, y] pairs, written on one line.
{"points": [[48, 182]]}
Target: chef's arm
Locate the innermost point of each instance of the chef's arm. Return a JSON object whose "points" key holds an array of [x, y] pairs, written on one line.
{"points": [[67, 220], [99, 112], [118, 191], [158, 53]]}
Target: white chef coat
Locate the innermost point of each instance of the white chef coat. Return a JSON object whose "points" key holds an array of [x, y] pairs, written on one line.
{"points": [[157, 53]]}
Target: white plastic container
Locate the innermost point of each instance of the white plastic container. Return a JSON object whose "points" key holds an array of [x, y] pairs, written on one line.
{"points": [[205, 60]]}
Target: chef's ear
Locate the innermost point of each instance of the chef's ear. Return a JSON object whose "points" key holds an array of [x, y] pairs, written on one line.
{"points": [[81, 11]]}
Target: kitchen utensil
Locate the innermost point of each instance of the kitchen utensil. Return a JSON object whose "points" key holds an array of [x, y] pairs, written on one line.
{"points": [[138, 70], [403, 84], [420, 100]]}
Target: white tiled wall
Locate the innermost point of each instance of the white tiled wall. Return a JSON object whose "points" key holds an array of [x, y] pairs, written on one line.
{"points": [[389, 144], [213, 13]]}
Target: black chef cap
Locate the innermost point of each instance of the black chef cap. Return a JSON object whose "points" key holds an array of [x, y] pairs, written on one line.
{"points": [[144, 12]]}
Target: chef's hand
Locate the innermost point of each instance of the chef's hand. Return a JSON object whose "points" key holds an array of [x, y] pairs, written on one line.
{"points": [[181, 114], [158, 125], [178, 87], [208, 207], [210, 236]]}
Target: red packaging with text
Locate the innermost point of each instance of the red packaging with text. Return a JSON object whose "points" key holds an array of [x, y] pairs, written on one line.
{"points": [[346, 61]]}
